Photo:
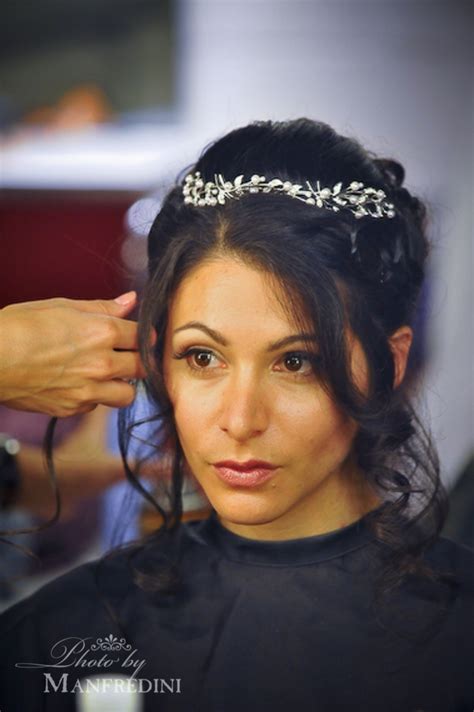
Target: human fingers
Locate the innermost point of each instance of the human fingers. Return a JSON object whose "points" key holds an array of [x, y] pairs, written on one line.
{"points": [[121, 334], [126, 365], [120, 306], [115, 393], [125, 334]]}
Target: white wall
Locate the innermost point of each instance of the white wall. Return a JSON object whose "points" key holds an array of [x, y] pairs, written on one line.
{"points": [[398, 76]]}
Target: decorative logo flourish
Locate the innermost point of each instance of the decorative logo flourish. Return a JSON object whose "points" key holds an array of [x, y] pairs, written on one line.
{"points": [[111, 642]]}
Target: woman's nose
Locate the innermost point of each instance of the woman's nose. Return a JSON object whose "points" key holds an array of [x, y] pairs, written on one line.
{"points": [[244, 413]]}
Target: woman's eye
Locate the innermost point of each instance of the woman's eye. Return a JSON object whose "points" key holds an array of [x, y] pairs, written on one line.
{"points": [[202, 359], [297, 363], [199, 359]]}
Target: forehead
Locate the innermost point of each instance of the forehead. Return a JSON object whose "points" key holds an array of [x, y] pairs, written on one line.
{"points": [[227, 294]]}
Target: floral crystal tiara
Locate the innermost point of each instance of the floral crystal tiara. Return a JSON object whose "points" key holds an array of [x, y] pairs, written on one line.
{"points": [[361, 201]]}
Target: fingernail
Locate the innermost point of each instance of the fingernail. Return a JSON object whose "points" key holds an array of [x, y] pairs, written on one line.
{"points": [[126, 298]]}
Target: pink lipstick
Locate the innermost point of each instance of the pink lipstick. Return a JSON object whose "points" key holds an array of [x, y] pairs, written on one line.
{"points": [[244, 474]]}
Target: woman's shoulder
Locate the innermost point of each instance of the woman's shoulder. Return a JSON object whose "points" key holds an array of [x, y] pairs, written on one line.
{"points": [[77, 587], [455, 563], [89, 588], [455, 557]]}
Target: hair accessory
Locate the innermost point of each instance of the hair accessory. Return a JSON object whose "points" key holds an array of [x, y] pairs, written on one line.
{"points": [[361, 201]]}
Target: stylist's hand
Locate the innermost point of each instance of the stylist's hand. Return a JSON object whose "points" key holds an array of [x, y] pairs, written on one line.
{"points": [[64, 356]]}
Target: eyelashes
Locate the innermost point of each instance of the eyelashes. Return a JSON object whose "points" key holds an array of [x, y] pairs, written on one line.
{"points": [[189, 353], [292, 359]]}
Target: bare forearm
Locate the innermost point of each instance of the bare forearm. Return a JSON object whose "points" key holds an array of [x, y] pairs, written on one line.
{"points": [[35, 492]]}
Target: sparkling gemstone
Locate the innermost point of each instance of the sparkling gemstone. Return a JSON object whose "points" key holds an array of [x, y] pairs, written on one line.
{"points": [[255, 179]]}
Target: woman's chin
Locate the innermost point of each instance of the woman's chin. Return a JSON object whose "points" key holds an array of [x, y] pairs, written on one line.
{"points": [[243, 509]]}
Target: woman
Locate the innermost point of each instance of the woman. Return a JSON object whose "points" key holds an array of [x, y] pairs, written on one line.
{"points": [[283, 275]]}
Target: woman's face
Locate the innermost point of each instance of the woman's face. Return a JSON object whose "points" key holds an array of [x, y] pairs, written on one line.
{"points": [[265, 442]]}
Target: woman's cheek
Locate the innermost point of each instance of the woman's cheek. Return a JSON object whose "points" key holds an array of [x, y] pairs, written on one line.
{"points": [[193, 409]]}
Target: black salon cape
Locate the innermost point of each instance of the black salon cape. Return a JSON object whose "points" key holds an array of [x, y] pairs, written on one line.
{"points": [[281, 626]]}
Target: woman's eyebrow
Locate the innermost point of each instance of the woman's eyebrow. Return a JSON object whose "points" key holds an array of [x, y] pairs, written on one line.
{"points": [[287, 340], [206, 329], [219, 339]]}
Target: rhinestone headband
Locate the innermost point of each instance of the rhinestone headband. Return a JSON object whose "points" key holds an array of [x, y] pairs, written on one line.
{"points": [[361, 201]]}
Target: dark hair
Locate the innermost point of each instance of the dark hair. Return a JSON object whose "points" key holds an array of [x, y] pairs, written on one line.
{"points": [[337, 271]]}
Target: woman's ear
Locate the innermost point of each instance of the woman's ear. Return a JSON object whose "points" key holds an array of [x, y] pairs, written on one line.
{"points": [[400, 342]]}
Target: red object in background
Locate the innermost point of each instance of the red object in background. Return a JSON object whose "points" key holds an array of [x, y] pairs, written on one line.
{"points": [[62, 243]]}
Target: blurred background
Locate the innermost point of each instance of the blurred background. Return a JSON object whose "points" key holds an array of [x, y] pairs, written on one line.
{"points": [[102, 102]]}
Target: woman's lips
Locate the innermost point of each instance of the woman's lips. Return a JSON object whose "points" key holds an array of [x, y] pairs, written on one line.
{"points": [[244, 474]]}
